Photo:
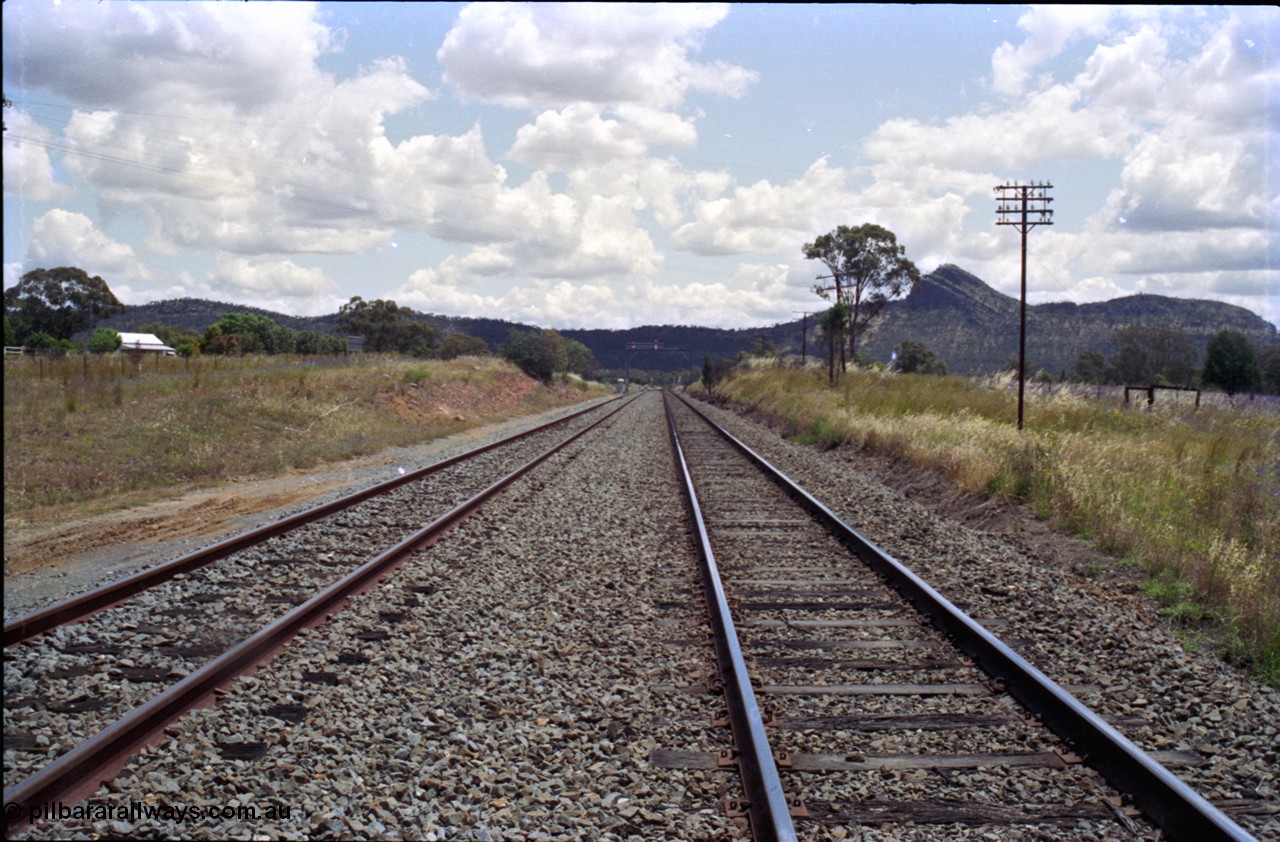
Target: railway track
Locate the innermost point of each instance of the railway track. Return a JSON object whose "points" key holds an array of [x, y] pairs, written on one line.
{"points": [[534, 674], [859, 697], [91, 679]]}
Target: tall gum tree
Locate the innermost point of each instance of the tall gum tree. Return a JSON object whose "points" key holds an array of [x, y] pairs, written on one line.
{"points": [[868, 268], [58, 302]]}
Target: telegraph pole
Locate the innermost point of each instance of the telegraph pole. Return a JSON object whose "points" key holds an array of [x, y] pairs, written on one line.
{"points": [[1024, 206], [804, 336]]}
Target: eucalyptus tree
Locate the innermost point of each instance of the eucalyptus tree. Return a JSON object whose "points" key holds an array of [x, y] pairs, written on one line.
{"points": [[868, 268], [388, 327], [1146, 355], [538, 353], [58, 302], [911, 357]]}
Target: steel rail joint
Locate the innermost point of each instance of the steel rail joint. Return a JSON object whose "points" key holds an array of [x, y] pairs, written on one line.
{"points": [[767, 806], [1178, 810], [115, 742], [83, 605]]}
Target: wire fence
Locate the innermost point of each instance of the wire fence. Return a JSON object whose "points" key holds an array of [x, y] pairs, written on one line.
{"points": [[134, 365]]}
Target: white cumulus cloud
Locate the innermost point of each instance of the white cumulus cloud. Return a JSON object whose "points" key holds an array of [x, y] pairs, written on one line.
{"points": [[549, 55], [66, 238], [279, 285], [28, 169]]}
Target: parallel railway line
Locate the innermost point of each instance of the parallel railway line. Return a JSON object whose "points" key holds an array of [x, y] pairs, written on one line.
{"points": [[116, 664]]}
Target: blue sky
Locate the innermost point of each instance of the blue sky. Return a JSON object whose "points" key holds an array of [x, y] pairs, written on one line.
{"points": [[580, 165]]}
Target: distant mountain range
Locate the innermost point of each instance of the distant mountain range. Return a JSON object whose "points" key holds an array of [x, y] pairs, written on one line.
{"points": [[955, 314]]}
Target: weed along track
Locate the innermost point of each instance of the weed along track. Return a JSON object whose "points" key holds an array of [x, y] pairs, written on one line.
{"points": [[545, 670]]}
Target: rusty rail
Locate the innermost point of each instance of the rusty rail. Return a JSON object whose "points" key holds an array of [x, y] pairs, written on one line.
{"points": [[766, 803], [1179, 811], [103, 754], [83, 605]]}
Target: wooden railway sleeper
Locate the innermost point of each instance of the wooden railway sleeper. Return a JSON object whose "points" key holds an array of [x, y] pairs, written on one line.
{"points": [[767, 716], [738, 808]]}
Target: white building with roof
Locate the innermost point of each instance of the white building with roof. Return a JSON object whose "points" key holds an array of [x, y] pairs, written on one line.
{"points": [[144, 342]]}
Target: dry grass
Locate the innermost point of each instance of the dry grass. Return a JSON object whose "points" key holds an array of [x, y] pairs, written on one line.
{"points": [[88, 435], [1191, 497]]}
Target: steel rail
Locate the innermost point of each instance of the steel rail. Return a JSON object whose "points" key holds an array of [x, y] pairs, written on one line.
{"points": [[766, 801], [83, 605], [1179, 811], [105, 752]]}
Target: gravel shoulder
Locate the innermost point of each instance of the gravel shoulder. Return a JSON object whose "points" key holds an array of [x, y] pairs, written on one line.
{"points": [[45, 564]]}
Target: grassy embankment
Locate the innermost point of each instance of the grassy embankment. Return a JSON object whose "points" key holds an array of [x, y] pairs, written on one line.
{"points": [[1193, 498], [84, 435]]}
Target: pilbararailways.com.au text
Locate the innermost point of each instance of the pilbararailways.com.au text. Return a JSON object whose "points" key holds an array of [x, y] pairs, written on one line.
{"points": [[136, 811]]}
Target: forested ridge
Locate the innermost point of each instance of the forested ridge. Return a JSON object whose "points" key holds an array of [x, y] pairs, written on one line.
{"points": [[958, 316]]}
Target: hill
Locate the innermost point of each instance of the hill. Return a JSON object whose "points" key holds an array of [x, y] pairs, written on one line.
{"points": [[975, 328], [957, 315], [198, 313]]}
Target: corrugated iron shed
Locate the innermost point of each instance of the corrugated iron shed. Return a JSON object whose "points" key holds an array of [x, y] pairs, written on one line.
{"points": [[143, 342]]}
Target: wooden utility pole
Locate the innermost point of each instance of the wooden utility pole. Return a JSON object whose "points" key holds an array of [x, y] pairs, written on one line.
{"points": [[804, 336], [1024, 206]]}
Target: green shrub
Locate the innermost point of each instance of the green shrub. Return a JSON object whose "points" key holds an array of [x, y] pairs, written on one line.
{"points": [[104, 340]]}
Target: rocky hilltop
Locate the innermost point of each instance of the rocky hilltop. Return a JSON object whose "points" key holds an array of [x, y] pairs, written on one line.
{"points": [[973, 327]]}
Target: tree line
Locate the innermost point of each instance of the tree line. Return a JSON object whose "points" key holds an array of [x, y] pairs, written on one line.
{"points": [[1146, 356], [867, 268], [48, 307]]}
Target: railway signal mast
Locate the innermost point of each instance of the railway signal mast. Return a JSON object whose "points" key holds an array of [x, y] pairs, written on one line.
{"points": [[1024, 206]]}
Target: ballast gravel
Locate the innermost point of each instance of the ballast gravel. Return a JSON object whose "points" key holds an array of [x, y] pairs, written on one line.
{"points": [[30, 591], [759, 534]]}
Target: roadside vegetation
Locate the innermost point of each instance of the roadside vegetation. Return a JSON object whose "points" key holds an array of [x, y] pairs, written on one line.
{"points": [[89, 434], [1192, 497]]}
